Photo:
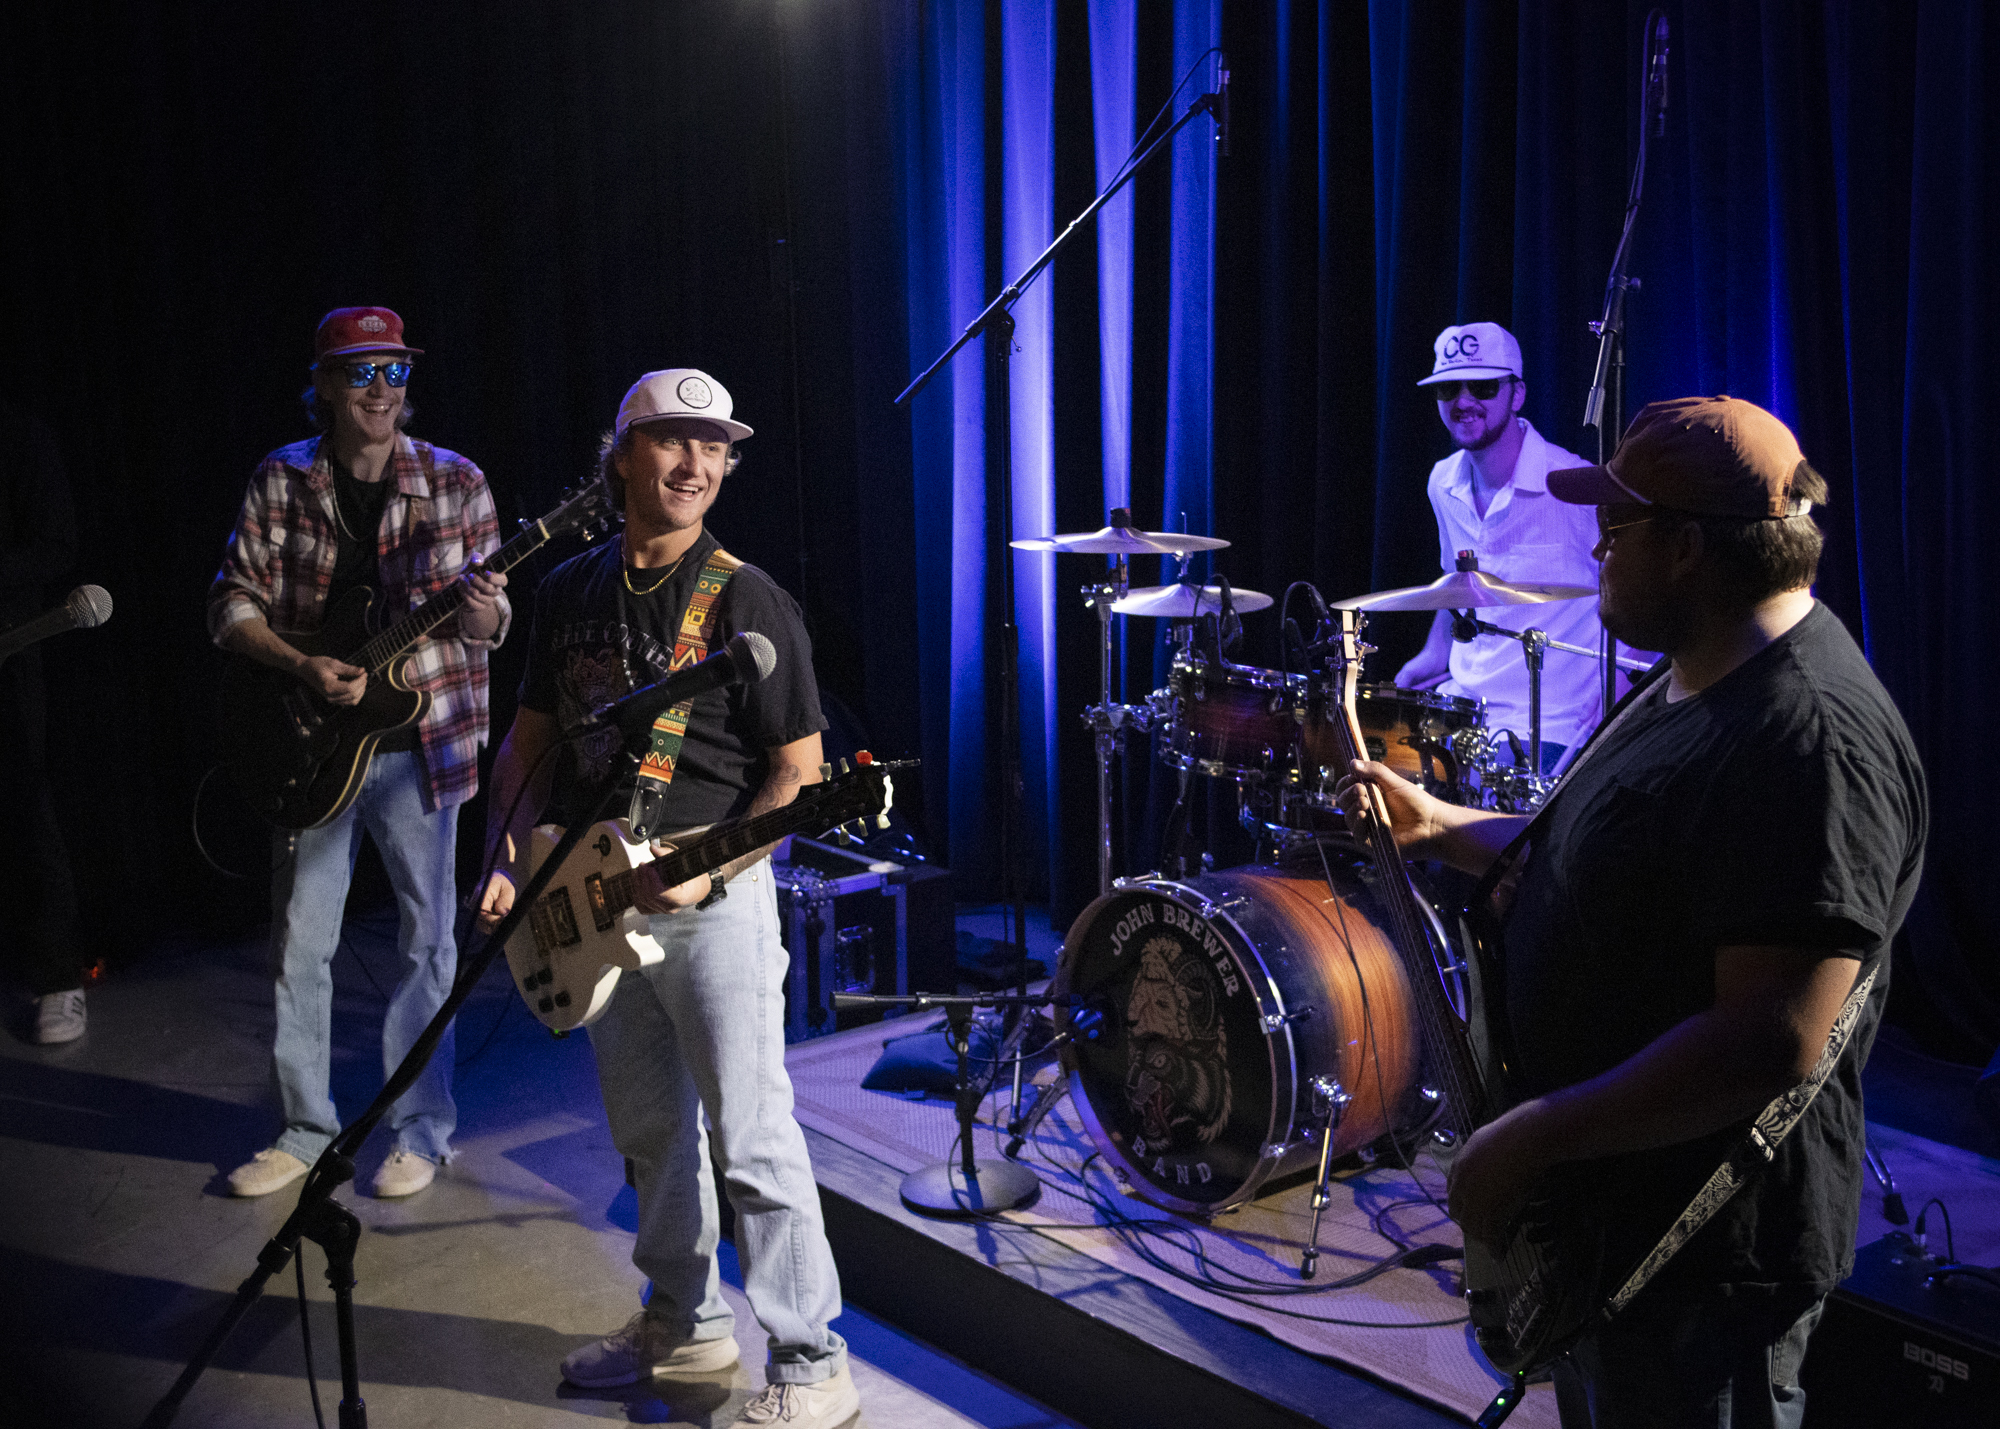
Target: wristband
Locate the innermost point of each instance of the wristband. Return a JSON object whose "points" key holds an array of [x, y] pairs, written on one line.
{"points": [[718, 889]]}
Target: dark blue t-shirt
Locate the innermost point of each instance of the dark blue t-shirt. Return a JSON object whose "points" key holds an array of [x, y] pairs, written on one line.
{"points": [[1783, 805]]}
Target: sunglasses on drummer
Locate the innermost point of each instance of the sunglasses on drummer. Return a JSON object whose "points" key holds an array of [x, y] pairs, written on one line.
{"points": [[1485, 389], [360, 374], [1608, 527]]}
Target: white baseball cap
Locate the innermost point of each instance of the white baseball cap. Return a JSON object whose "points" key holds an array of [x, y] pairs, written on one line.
{"points": [[679, 392], [1472, 351]]}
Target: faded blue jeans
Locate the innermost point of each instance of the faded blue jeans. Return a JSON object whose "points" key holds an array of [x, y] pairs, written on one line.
{"points": [[1713, 1362], [704, 1030], [309, 877]]}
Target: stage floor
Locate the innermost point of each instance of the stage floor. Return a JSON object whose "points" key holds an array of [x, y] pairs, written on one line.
{"points": [[121, 1248]]}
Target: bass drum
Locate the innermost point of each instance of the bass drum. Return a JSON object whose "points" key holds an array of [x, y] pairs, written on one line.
{"points": [[1217, 1014]]}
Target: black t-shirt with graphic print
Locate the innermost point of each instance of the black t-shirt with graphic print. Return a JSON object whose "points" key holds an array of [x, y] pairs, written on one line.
{"points": [[1782, 806], [595, 641]]}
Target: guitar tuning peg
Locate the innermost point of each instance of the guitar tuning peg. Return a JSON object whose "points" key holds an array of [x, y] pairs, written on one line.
{"points": [[844, 767], [864, 757], [881, 821], [826, 771], [841, 836]]}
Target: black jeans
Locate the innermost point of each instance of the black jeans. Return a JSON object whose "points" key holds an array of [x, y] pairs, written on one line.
{"points": [[1716, 1362]]}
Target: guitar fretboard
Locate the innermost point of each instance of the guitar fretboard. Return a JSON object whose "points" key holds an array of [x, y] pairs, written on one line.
{"points": [[397, 641], [719, 846]]}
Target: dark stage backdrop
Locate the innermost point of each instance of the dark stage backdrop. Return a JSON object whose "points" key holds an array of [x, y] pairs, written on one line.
{"points": [[809, 198]]}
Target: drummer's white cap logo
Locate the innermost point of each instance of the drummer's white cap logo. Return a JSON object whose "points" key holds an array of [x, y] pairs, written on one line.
{"points": [[1464, 346], [694, 392]]}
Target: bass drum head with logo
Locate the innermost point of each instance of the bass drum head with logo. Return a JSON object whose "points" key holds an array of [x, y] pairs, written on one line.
{"points": [[1217, 1014]]}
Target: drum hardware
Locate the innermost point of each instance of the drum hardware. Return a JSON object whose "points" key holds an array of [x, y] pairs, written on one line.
{"points": [[1336, 1100], [1107, 719], [1273, 1021]]}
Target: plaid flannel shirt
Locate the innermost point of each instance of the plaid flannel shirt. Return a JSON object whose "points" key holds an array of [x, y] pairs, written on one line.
{"points": [[439, 517]]}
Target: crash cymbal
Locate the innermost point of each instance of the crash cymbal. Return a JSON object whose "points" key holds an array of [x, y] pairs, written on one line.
{"points": [[1122, 541], [1184, 602], [1464, 590]]}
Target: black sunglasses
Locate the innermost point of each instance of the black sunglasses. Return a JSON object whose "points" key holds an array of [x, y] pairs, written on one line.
{"points": [[1485, 389], [360, 374]]}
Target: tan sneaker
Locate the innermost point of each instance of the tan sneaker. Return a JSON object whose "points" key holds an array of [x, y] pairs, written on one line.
{"points": [[59, 1017], [404, 1174], [641, 1350], [266, 1172], [804, 1406]]}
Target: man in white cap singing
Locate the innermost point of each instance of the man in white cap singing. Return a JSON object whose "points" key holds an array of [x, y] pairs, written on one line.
{"points": [[702, 1030], [1491, 497]]}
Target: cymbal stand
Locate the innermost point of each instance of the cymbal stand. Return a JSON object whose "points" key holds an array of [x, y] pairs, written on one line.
{"points": [[1107, 720], [1327, 1092]]}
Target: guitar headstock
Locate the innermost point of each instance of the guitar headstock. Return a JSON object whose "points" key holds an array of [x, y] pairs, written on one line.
{"points": [[859, 793], [586, 510]]}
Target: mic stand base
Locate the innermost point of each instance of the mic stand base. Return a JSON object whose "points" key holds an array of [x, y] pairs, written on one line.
{"points": [[992, 1186]]}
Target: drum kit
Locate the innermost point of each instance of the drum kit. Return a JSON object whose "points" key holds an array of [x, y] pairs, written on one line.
{"points": [[1226, 1028]]}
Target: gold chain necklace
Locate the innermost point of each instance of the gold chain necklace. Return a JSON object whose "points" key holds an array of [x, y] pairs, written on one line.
{"points": [[626, 571]]}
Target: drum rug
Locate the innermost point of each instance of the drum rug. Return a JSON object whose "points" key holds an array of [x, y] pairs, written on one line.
{"points": [[1405, 1326]]}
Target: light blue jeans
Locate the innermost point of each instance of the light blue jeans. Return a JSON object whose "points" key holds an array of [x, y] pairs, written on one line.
{"points": [[703, 1030], [309, 878]]}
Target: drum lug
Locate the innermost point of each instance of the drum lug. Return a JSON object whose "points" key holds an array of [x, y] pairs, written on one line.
{"points": [[1329, 1097], [1230, 904], [1272, 1021]]}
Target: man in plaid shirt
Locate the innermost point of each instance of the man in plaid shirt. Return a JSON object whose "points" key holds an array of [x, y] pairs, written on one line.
{"points": [[364, 505]]}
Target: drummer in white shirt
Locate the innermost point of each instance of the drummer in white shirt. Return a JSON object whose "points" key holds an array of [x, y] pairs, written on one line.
{"points": [[1491, 497]]}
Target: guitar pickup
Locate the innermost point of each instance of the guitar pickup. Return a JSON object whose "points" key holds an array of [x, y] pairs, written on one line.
{"points": [[554, 922], [600, 908]]}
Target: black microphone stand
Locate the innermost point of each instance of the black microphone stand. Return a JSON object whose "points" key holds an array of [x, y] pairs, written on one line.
{"points": [[970, 1187], [1605, 406], [997, 322], [318, 1217]]}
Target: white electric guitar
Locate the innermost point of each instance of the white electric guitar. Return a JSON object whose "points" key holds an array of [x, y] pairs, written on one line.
{"points": [[583, 931]]}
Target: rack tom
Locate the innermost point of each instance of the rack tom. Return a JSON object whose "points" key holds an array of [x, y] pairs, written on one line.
{"points": [[1232, 720]]}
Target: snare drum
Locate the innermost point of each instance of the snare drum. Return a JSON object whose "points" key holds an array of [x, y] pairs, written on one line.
{"points": [[1232, 720], [1414, 732], [1224, 1016]]}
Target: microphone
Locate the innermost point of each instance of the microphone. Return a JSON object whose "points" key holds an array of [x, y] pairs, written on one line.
{"points": [[1222, 94], [1657, 82], [743, 661], [86, 606]]}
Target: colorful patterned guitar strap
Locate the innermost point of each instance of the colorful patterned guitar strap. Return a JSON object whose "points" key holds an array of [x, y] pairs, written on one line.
{"points": [[656, 770]]}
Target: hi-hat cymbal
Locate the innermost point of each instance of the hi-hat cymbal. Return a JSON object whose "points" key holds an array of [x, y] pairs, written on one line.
{"points": [[1121, 541], [1184, 602], [1463, 590]]}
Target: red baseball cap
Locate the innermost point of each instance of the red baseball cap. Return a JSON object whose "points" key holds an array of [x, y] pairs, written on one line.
{"points": [[346, 330], [1709, 456]]}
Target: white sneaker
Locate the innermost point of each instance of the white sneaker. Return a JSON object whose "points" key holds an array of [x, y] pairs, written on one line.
{"points": [[643, 1349], [266, 1172], [404, 1174], [805, 1406], [59, 1017]]}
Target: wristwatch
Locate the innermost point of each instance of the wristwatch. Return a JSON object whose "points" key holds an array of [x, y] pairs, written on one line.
{"points": [[718, 889]]}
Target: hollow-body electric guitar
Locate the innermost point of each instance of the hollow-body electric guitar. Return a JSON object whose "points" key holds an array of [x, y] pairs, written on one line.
{"points": [[299, 760], [583, 931]]}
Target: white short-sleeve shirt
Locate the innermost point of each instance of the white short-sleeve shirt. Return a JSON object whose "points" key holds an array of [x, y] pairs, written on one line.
{"points": [[1526, 535]]}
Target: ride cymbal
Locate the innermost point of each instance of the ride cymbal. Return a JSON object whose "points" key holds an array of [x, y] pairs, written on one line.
{"points": [[1121, 541], [1465, 590]]}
